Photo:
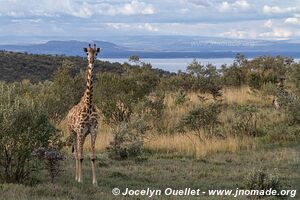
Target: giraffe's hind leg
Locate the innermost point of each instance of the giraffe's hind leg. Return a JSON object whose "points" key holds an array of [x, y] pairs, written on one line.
{"points": [[73, 138], [93, 155], [80, 142]]}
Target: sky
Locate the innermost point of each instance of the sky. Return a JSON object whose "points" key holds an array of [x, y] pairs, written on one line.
{"points": [[243, 19]]}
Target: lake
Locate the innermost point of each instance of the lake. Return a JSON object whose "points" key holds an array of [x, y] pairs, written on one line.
{"points": [[175, 64]]}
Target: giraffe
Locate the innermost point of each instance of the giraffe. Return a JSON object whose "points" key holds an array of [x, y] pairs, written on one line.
{"points": [[82, 119]]}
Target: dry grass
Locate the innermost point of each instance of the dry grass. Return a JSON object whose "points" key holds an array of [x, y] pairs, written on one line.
{"points": [[242, 96], [190, 145]]}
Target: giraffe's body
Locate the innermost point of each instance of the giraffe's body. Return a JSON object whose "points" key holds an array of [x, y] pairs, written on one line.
{"points": [[82, 119]]}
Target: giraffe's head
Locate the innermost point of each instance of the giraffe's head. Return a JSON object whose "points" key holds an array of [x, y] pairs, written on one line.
{"points": [[91, 53]]}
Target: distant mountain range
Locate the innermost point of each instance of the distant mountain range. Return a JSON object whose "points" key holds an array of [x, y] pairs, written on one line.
{"points": [[164, 47]]}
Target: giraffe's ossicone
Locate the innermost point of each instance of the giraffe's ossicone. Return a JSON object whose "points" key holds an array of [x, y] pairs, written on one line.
{"points": [[82, 119]]}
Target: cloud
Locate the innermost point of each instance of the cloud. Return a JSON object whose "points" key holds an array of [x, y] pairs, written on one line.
{"points": [[278, 10], [292, 20], [277, 33], [236, 6], [201, 3], [143, 26], [148, 27], [268, 24], [133, 8], [30, 8], [234, 34]]}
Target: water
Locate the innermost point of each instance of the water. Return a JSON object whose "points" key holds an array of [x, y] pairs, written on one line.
{"points": [[175, 64]]}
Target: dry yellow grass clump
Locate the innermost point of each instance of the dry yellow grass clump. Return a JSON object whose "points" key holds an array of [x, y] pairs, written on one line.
{"points": [[190, 145]]}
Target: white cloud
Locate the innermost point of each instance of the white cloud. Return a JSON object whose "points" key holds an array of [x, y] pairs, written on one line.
{"points": [[234, 34], [224, 7], [144, 26], [132, 8], [277, 33], [242, 4], [148, 27], [268, 24], [278, 10], [29, 8], [236, 6], [292, 20], [200, 3]]}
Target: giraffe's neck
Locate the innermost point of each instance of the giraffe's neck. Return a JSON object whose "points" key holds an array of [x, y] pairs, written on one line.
{"points": [[88, 94]]}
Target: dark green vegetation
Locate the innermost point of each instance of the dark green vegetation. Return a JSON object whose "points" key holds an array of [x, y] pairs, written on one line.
{"points": [[137, 104], [18, 66]]}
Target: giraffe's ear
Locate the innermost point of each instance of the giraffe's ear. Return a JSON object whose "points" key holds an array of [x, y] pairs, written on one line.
{"points": [[98, 49], [85, 50]]}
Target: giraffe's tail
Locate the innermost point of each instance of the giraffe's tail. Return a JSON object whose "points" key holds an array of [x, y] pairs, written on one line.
{"points": [[73, 148]]}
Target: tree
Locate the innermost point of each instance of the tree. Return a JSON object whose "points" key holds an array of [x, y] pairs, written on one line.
{"points": [[135, 59], [65, 91], [24, 127], [240, 59]]}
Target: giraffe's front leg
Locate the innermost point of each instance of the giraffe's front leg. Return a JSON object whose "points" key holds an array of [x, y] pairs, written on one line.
{"points": [[80, 141], [75, 152], [92, 154]]}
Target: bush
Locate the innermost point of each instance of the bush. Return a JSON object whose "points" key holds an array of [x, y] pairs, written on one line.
{"points": [[128, 140], [116, 95], [234, 75], [280, 133], [255, 80], [207, 78], [284, 98], [261, 180], [151, 109], [293, 110], [180, 97], [202, 121], [24, 127], [269, 89], [245, 121], [52, 158]]}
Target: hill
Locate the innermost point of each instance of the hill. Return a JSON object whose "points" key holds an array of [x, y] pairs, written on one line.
{"points": [[16, 66], [164, 47]]}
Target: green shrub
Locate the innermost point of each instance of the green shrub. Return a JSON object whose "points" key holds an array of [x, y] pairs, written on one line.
{"points": [[293, 78], [64, 92], [116, 95], [128, 140], [151, 109], [284, 98], [180, 97], [262, 180], [280, 133], [245, 121], [293, 110], [202, 121], [269, 89], [233, 75], [24, 127], [255, 80]]}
